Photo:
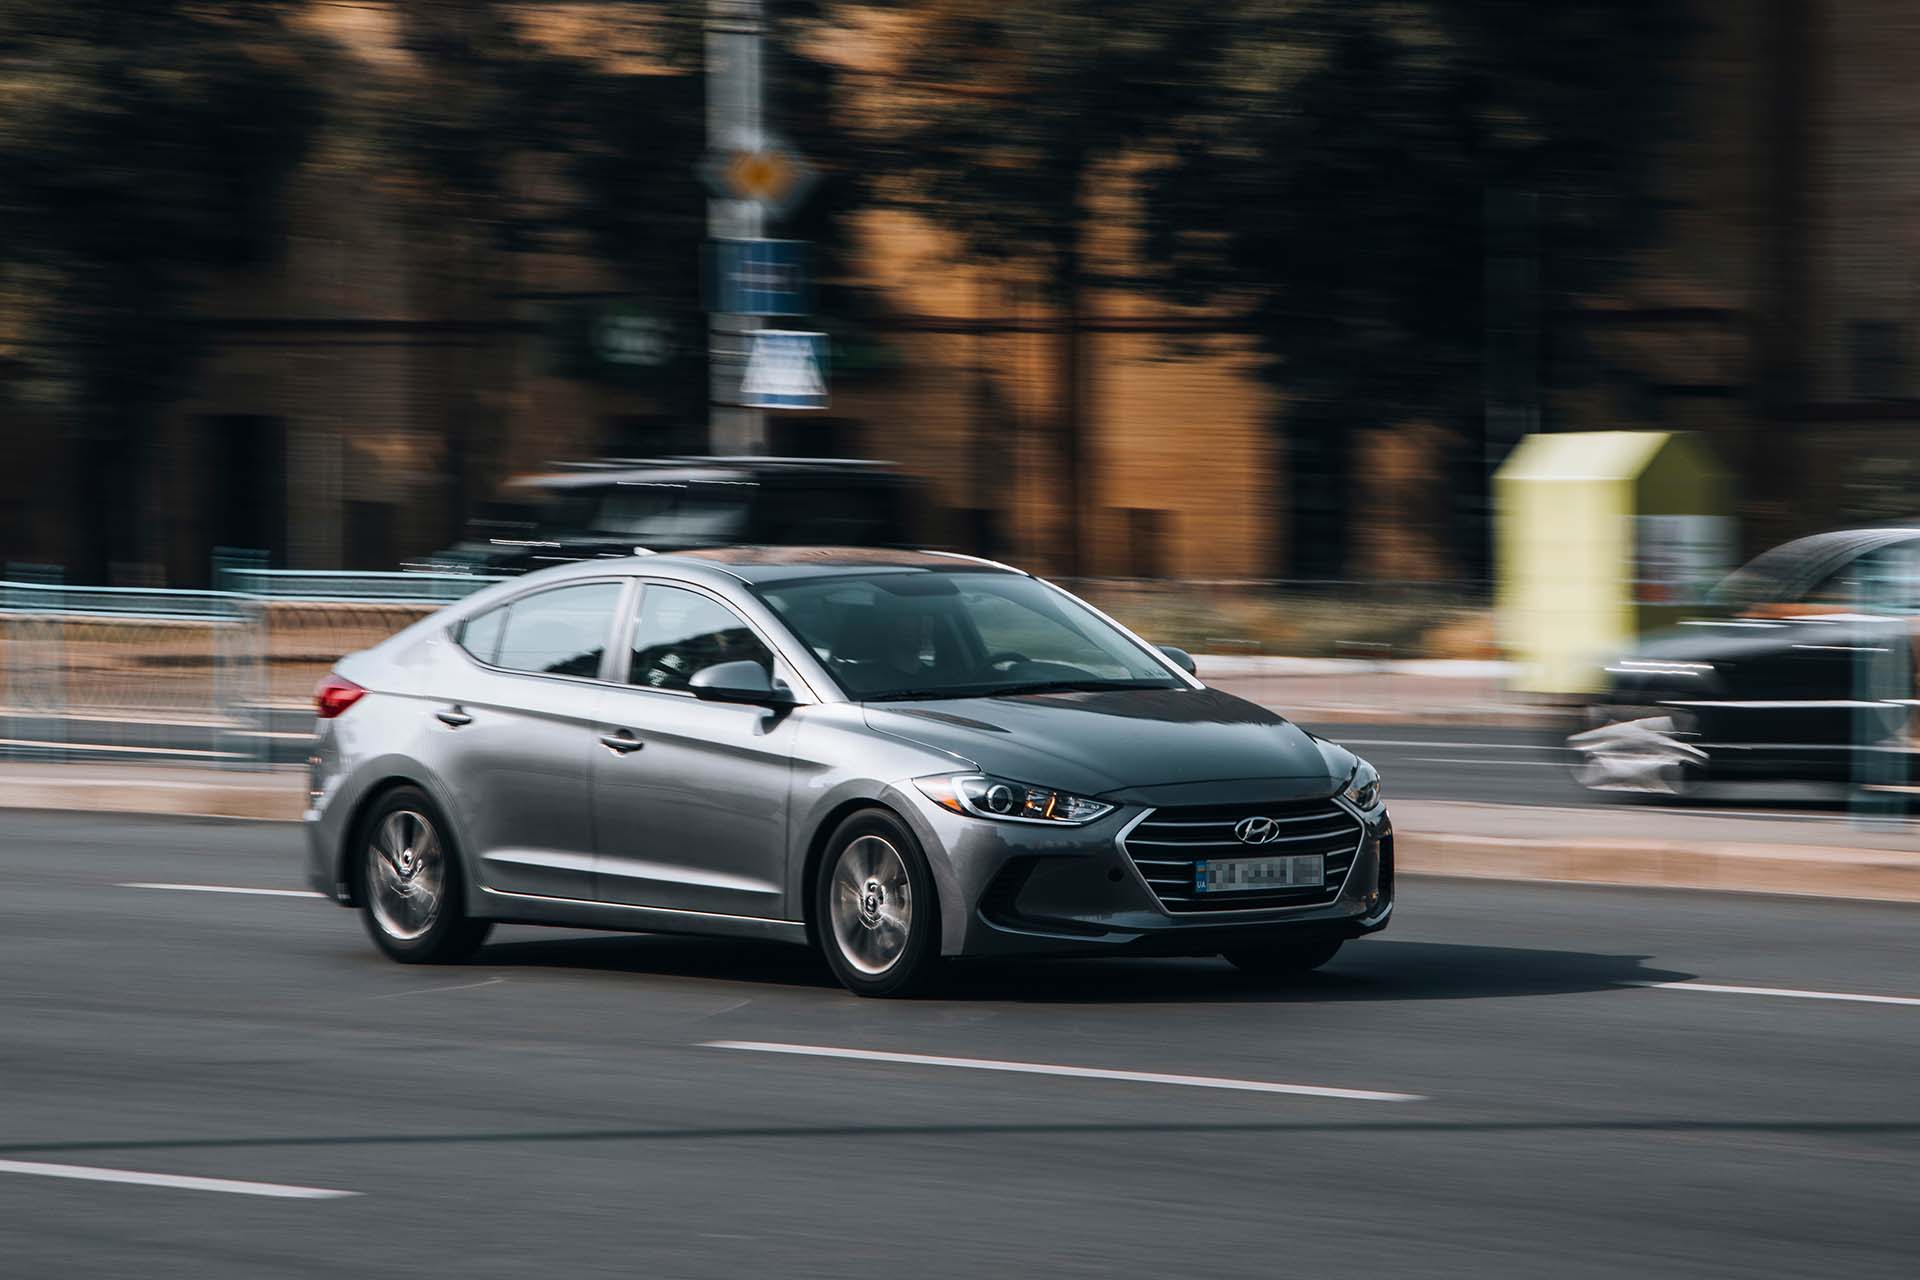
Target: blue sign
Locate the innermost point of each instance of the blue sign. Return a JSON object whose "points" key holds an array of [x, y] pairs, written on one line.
{"points": [[757, 277], [786, 370]]}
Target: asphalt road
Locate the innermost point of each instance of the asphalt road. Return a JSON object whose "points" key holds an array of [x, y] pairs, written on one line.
{"points": [[1467, 762], [555, 1108]]}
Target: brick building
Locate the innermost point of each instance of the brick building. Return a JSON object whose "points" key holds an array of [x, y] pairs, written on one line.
{"points": [[376, 383]]}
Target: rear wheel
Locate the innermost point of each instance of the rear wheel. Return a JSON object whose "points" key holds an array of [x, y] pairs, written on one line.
{"points": [[874, 907], [1283, 962], [410, 883]]}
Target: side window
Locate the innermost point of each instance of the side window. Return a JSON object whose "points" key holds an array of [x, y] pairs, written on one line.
{"points": [[480, 634], [561, 632], [680, 633]]}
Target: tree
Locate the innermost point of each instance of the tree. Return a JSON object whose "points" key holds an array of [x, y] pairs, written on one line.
{"points": [[1352, 162], [542, 133], [145, 145], [996, 120]]}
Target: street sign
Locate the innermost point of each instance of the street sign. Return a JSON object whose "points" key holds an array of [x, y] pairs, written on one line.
{"points": [[786, 370], [757, 277], [758, 168]]}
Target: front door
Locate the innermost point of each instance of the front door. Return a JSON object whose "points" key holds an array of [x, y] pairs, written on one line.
{"points": [[690, 808]]}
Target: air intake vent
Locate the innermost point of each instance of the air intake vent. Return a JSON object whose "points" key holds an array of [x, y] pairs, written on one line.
{"points": [[1168, 844]]}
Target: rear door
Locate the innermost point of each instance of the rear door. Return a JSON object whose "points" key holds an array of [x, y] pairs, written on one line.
{"points": [[691, 808], [519, 737]]}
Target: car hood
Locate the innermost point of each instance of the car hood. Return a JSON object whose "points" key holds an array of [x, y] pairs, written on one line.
{"points": [[1731, 639], [1096, 744]]}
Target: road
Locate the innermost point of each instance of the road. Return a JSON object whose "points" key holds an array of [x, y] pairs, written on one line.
{"points": [[1467, 762], [557, 1106]]}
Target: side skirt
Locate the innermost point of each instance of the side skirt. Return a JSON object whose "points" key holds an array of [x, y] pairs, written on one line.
{"points": [[575, 913]]}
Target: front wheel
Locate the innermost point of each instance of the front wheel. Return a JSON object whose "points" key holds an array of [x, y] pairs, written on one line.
{"points": [[1295, 961], [875, 909], [410, 885]]}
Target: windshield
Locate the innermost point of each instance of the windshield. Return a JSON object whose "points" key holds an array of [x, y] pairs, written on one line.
{"points": [[899, 636]]}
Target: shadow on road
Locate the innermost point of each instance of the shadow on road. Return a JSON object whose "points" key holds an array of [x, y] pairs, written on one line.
{"points": [[1369, 970], [668, 956]]}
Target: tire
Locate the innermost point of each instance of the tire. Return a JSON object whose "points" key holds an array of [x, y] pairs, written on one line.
{"points": [[1281, 963], [411, 883], [876, 913]]}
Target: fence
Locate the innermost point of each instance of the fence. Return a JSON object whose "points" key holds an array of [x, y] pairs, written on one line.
{"points": [[226, 676], [208, 675]]}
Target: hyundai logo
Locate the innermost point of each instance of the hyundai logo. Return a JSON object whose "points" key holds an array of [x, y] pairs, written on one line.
{"points": [[1257, 830]]}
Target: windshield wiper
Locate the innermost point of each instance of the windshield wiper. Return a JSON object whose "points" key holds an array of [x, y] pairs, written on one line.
{"points": [[1076, 686], [1005, 690]]}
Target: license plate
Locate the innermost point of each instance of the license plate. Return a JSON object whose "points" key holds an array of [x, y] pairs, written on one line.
{"points": [[1226, 875]]}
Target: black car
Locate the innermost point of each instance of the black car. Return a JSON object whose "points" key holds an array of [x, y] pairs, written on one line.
{"points": [[599, 510], [1802, 672]]}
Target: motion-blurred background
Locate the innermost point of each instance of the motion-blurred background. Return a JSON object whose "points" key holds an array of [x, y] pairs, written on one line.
{"points": [[1229, 312]]}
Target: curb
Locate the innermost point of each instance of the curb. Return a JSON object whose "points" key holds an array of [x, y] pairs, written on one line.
{"points": [[1888, 875], [1798, 870], [259, 797]]}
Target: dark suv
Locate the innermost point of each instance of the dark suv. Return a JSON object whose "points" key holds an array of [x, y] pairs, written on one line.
{"points": [[591, 510]]}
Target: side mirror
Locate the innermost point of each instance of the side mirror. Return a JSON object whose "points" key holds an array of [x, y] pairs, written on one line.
{"points": [[738, 682], [1181, 659]]}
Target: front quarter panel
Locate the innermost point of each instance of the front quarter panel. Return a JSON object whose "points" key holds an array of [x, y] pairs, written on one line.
{"points": [[840, 765]]}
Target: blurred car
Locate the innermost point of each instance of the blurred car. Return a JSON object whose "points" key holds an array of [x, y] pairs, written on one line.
{"points": [[895, 756], [596, 510], [1804, 667]]}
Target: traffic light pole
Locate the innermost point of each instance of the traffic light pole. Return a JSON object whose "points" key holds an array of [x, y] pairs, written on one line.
{"points": [[734, 109]]}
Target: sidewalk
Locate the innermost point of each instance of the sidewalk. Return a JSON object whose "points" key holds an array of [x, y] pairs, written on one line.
{"points": [[1820, 856]]}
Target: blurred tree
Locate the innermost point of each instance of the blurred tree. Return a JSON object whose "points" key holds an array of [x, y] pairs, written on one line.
{"points": [[1399, 192], [999, 122], [543, 129], [144, 144]]}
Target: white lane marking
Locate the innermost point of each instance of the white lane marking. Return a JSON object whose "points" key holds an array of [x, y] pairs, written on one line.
{"points": [[1450, 746], [87, 1173], [1784, 992], [221, 888], [427, 991], [1047, 1069], [1503, 764]]}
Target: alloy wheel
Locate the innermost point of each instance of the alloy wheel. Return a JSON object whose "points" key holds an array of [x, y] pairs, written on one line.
{"points": [[406, 874], [871, 905]]}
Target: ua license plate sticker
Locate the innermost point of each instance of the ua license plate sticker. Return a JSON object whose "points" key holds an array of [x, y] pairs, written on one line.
{"points": [[1226, 875]]}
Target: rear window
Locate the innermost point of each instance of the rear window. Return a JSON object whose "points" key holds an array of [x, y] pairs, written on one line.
{"points": [[559, 632]]}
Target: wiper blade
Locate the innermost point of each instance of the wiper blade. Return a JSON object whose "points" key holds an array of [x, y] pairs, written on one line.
{"points": [[1006, 690], [1078, 686]]}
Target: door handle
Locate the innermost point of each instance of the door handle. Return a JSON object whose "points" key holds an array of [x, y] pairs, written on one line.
{"points": [[621, 743], [453, 717]]}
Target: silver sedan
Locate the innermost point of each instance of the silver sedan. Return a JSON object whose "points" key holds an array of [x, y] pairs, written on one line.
{"points": [[897, 757]]}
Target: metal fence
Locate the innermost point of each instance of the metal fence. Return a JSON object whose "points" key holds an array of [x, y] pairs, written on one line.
{"points": [[221, 676], [227, 676]]}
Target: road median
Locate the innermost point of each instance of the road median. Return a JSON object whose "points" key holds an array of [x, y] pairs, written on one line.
{"points": [[1813, 855]]}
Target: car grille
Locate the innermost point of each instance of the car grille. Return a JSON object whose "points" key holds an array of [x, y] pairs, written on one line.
{"points": [[1166, 845]]}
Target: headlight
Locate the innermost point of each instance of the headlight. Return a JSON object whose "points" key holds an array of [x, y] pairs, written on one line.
{"points": [[1363, 788], [980, 796]]}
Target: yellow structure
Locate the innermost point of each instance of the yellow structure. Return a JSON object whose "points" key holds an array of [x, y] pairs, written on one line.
{"points": [[1602, 537]]}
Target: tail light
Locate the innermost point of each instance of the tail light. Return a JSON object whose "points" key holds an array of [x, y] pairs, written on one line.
{"points": [[334, 694]]}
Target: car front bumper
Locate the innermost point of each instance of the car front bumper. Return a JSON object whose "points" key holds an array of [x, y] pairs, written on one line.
{"points": [[1018, 889]]}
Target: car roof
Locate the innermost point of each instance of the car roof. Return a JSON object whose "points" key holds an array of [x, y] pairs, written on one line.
{"points": [[696, 470], [767, 564], [1796, 567]]}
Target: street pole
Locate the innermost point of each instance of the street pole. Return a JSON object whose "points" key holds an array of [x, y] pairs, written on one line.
{"points": [[734, 100]]}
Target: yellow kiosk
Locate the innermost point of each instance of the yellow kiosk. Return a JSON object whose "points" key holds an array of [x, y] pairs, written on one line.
{"points": [[1601, 537]]}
